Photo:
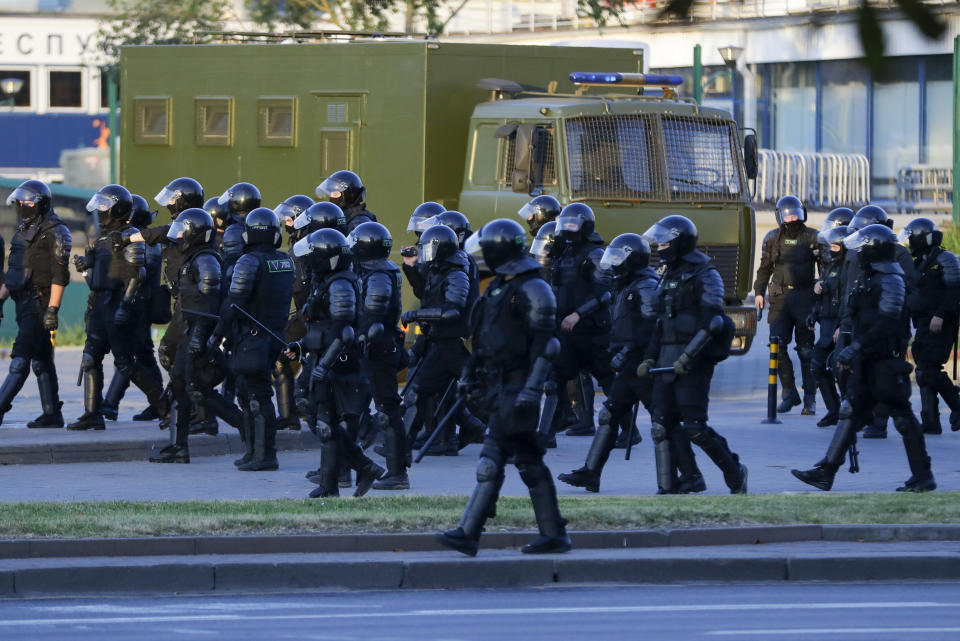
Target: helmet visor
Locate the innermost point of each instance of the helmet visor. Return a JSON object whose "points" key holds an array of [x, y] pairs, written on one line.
{"points": [[177, 229], [100, 203], [420, 223], [302, 247], [788, 214], [167, 196], [330, 188], [284, 210], [613, 257], [428, 253], [542, 246], [302, 221], [224, 198], [904, 236], [527, 212], [660, 234], [856, 240], [834, 235], [472, 245], [569, 224], [26, 196]]}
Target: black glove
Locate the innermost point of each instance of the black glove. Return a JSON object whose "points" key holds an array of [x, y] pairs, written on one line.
{"points": [[682, 364], [121, 318], [811, 321], [619, 360], [848, 354], [527, 399], [408, 317], [80, 263], [643, 369], [320, 373], [50, 322], [196, 344], [116, 240], [212, 343]]}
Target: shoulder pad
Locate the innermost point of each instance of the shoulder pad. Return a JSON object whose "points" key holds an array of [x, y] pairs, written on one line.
{"points": [[379, 265], [770, 235], [208, 274], [892, 294], [518, 266], [887, 267], [457, 288], [696, 257], [127, 232], [712, 287], [459, 258], [343, 300], [538, 303], [62, 241]]}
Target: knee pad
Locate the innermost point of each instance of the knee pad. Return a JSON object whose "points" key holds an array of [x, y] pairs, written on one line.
{"points": [[39, 367], [926, 376], [487, 470], [254, 405], [906, 424], [88, 362], [846, 410], [550, 387], [20, 365], [805, 352], [658, 433], [695, 431], [605, 417], [125, 366], [532, 473]]}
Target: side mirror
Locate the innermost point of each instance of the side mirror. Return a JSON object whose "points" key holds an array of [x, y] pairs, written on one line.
{"points": [[750, 155]]}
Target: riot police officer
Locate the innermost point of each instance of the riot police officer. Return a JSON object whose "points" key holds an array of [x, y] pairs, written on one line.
{"points": [[345, 190], [262, 287], [540, 211], [691, 337], [284, 371], [199, 294], [238, 201], [141, 217], [378, 321], [512, 335], [37, 273], [933, 305], [445, 305], [338, 387], [117, 270], [878, 374], [580, 285], [785, 280], [826, 313]]}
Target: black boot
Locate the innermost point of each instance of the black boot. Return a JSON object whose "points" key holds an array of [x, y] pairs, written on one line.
{"points": [[115, 391], [930, 410], [329, 467], [246, 435], [395, 446], [172, 454], [809, 404], [831, 399], [158, 399], [148, 414], [951, 395], [583, 403], [264, 427], [283, 384], [791, 398], [821, 476], [788, 386], [91, 419], [366, 477], [588, 476], [49, 396], [466, 537], [553, 533], [921, 477], [13, 383], [663, 457], [715, 446]]}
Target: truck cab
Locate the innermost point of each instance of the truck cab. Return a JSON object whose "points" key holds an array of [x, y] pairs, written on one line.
{"points": [[632, 158]]}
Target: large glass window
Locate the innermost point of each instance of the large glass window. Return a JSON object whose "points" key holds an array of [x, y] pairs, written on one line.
{"points": [[896, 118], [937, 141], [843, 120], [700, 160], [610, 157], [66, 89], [793, 96], [22, 96]]}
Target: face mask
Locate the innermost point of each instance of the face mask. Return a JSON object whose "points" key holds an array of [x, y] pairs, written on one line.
{"points": [[793, 227]]}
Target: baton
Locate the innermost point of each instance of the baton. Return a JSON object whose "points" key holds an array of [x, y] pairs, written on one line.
{"points": [[956, 340], [662, 370], [633, 425], [442, 424], [259, 324]]}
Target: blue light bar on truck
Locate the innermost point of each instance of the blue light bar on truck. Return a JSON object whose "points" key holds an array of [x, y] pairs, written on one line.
{"points": [[624, 79]]}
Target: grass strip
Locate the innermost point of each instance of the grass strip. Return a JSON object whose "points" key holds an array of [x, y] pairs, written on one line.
{"points": [[431, 513]]}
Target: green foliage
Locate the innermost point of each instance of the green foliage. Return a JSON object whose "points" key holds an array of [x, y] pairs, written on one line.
{"points": [[951, 238], [159, 22]]}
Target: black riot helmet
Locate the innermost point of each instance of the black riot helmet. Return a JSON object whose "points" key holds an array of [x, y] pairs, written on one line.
{"points": [[324, 251], [673, 237], [343, 188], [841, 216], [437, 244], [502, 243], [261, 227], [869, 215], [424, 212], [546, 246], [626, 254], [540, 211], [219, 213], [32, 200], [370, 241], [240, 200], [834, 236], [181, 194], [193, 228], [921, 234], [789, 206], [291, 208], [874, 244], [113, 204], [322, 215], [141, 217], [457, 222], [576, 223]]}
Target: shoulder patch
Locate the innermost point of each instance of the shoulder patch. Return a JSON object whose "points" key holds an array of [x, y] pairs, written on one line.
{"points": [[789, 241], [280, 265]]}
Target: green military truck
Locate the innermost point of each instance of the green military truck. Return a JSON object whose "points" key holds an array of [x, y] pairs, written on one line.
{"points": [[427, 120]]}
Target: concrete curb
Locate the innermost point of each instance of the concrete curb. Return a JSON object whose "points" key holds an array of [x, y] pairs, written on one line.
{"points": [[139, 449], [424, 542]]}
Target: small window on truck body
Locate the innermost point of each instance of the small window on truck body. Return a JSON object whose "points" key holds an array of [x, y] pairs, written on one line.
{"points": [[152, 116], [543, 172]]}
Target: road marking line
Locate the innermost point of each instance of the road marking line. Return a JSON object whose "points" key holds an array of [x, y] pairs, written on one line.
{"points": [[9, 623], [830, 631]]}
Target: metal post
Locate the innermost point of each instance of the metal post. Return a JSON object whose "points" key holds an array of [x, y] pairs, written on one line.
{"points": [[697, 76], [771, 418], [111, 74], [956, 130]]}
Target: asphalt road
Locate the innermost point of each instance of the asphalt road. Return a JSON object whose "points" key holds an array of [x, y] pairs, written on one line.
{"points": [[872, 612]]}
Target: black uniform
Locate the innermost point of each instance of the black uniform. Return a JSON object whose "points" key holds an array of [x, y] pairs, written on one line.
{"points": [[511, 325], [690, 297], [357, 215], [826, 314], [116, 271], [285, 383], [39, 258], [786, 277], [879, 376], [936, 294], [172, 262], [262, 285], [339, 395]]}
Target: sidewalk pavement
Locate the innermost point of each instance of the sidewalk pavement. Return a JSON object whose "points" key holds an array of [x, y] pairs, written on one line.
{"points": [[723, 555]]}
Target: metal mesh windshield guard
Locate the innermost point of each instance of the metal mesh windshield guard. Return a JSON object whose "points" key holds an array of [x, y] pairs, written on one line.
{"points": [[617, 157]]}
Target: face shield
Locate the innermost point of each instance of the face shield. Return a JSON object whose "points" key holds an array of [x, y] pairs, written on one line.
{"points": [[100, 203], [855, 241], [23, 197], [224, 198], [613, 257], [302, 221], [572, 225], [904, 236], [284, 211], [527, 212], [427, 253], [419, 224], [176, 231], [167, 197], [330, 189], [659, 235], [472, 245]]}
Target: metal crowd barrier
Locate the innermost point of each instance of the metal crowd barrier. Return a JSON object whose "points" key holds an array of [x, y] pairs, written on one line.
{"points": [[819, 179], [924, 188]]}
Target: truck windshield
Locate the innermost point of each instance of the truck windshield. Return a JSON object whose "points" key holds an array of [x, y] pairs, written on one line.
{"points": [[653, 157]]}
